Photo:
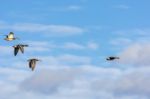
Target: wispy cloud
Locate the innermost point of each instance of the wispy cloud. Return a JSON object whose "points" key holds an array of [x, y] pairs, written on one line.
{"points": [[66, 8], [121, 42], [136, 36], [64, 60], [76, 46], [92, 45], [49, 46], [74, 7], [124, 7], [55, 30], [6, 50], [39, 46], [71, 45], [133, 32]]}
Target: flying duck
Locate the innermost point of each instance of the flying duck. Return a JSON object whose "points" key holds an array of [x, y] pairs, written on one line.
{"points": [[111, 58], [32, 63], [19, 47], [10, 37]]}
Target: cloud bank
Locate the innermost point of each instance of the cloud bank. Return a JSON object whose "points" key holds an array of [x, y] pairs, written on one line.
{"points": [[85, 82]]}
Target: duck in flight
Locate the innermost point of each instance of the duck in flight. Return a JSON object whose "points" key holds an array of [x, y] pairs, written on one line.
{"points": [[19, 47], [10, 37], [111, 58], [32, 63]]}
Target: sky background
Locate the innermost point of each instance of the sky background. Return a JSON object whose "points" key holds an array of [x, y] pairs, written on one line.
{"points": [[73, 40]]}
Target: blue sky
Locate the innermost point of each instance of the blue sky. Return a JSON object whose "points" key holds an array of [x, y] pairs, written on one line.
{"points": [[73, 39]]}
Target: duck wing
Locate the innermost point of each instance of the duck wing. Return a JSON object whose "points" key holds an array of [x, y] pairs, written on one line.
{"points": [[16, 49], [21, 49]]}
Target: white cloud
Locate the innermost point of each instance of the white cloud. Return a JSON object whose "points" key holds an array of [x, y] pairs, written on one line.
{"points": [[50, 30], [6, 50], [138, 32], [65, 59], [66, 8], [125, 7], [74, 59], [71, 45], [106, 83], [48, 81], [137, 36], [76, 46], [85, 82], [121, 42], [74, 7], [41, 46], [92, 45], [137, 54], [9, 74]]}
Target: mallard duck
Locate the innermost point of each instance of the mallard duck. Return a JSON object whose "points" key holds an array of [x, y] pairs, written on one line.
{"points": [[10, 37], [32, 63], [19, 47]]}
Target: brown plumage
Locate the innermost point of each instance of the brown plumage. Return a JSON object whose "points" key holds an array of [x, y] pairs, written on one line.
{"points": [[32, 63]]}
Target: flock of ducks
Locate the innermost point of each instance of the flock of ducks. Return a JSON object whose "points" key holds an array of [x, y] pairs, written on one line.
{"points": [[32, 62], [20, 47]]}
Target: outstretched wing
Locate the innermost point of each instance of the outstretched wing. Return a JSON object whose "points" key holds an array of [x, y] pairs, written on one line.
{"points": [[16, 49], [21, 49]]}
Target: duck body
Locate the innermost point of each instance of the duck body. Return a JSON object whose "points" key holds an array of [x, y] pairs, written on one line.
{"points": [[10, 37], [32, 63], [111, 58]]}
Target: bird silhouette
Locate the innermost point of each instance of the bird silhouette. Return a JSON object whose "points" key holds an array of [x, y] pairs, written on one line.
{"points": [[111, 58], [19, 47], [10, 37], [32, 63]]}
